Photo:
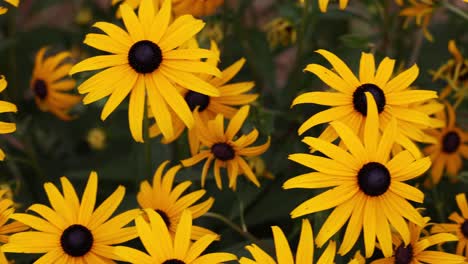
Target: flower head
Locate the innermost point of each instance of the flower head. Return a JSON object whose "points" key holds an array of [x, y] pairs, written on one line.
{"points": [[304, 254], [416, 250], [169, 202], [3, 9], [50, 84], [455, 73], [72, 231], [349, 106], [167, 249], [451, 146], [459, 227], [368, 186], [147, 60], [5, 107], [421, 11], [231, 95], [225, 149], [280, 31]]}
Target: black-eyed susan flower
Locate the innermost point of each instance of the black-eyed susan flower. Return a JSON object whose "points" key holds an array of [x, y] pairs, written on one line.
{"points": [[6, 210], [455, 73], [196, 7], [280, 31], [451, 146], [368, 186], [230, 96], [3, 9], [163, 248], [284, 255], [71, 231], [145, 63], [259, 167], [50, 84], [421, 11], [5, 107], [349, 106], [169, 202], [225, 150], [416, 250], [460, 227]]}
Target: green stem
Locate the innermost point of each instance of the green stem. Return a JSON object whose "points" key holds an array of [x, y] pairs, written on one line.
{"points": [[241, 213], [455, 10], [234, 227]]}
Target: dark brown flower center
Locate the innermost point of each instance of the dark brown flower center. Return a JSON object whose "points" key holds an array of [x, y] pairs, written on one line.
{"points": [[450, 142], [464, 229], [173, 261], [374, 179], [76, 240], [145, 56], [403, 255], [195, 99], [40, 89], [360, 100], [223, 151], [164, 216]]}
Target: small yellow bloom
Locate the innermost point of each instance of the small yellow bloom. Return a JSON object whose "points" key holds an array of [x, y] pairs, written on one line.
{"points": [[323, 5], [421, 11], [96, 138], [259, 167], [226, 149], [280, 31], [84, 16], [455, 73]]}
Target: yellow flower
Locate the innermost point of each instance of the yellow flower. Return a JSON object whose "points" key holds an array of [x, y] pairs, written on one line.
{"points": [[50, 84], [163, 248], [169, 202], [451, 145], [323, 4], [455, 73], [348, 105], [212, 32], [6, 107], [230, 95], [304, 254], [224, 149], [368, 186], [72, 231], [6, 210], [460, 228], [3, 10], [280, 31], [97, 138], [422, 11], [146, 62], [415, 251]]}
